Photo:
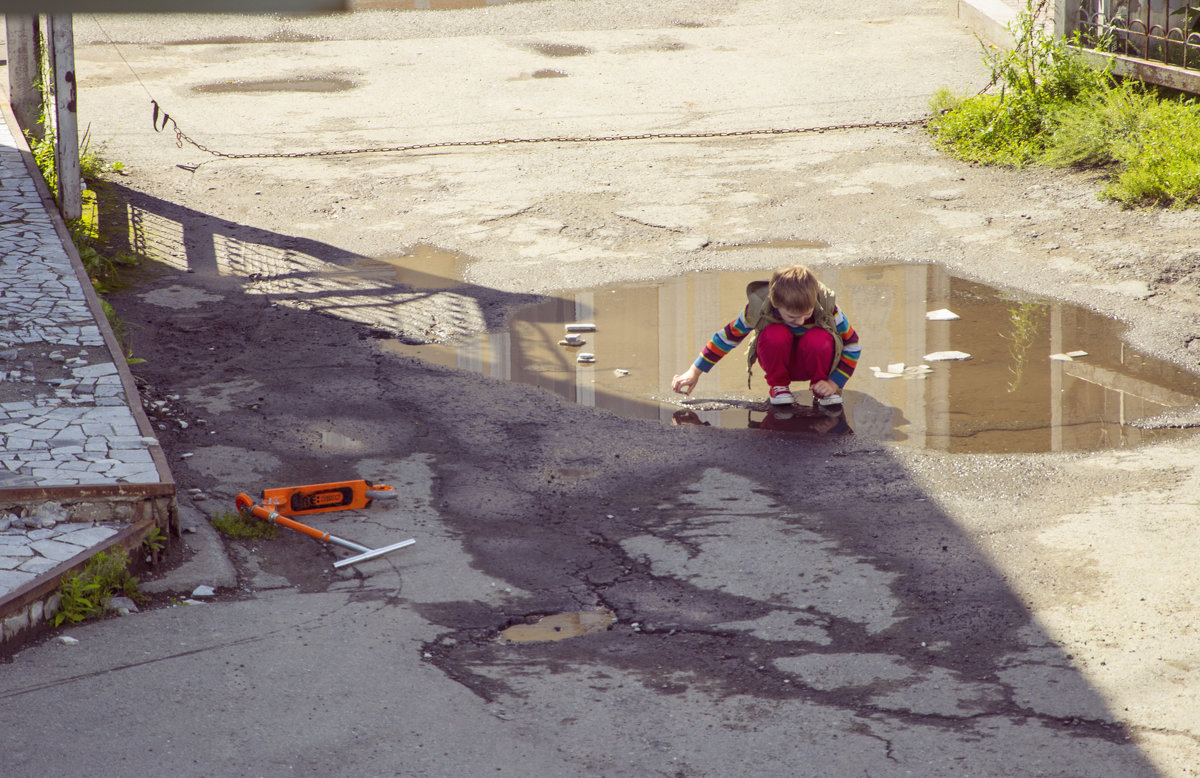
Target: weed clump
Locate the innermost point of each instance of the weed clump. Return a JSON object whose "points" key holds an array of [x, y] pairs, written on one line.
{"points": [[85, 595], [235, 524], [1054, 110]]}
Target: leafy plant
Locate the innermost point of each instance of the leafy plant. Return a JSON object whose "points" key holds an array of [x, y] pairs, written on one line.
{"points": [[121, 332], [85, 595], [1053, 110], [103, 269], [154, 542], [1036, 78], [235, 524], [1087, 132], [1160, 164]]}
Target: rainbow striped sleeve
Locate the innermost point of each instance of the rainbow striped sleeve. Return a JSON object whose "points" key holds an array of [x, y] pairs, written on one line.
{"points": [[723, 342], [850, 350]]}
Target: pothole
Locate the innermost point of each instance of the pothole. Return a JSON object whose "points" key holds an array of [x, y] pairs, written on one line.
{"points": [[947, 363], [559, 626], [297, 84]]}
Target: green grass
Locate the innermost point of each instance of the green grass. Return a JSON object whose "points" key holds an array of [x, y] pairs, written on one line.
{"points": [[1052, 110], [237, 525], [85, 595]]}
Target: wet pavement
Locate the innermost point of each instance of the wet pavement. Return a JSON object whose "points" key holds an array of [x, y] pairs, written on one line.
{"points": [[68, 429], [952, 365]]}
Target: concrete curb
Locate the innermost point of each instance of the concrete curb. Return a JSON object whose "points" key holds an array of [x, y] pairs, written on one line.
{"points": [[988, 19], [25, 612]]}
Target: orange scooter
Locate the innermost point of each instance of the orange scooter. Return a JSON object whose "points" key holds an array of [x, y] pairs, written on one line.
{"points": [[279, 504]]}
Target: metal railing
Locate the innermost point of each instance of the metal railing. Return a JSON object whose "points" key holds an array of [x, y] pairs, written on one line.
{"points": [[1157, 41]]}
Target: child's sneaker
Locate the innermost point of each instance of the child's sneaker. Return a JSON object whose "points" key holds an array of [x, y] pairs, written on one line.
{"points": [[781, 395], [830, 399]]}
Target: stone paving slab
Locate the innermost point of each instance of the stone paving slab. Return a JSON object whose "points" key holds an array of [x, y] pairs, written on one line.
{"points": [[66, 419]]}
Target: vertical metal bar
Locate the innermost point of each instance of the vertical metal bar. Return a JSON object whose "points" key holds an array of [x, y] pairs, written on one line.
{"points": [[62, 68]]}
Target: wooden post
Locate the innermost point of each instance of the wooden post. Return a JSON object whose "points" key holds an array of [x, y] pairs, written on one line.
{"points": [[24, 62], [66, 119]]}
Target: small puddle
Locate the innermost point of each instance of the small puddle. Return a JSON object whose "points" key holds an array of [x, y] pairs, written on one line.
{"points": [[776, 244], [559, 49], [298, 84], [559, 626], [1019, 392]]}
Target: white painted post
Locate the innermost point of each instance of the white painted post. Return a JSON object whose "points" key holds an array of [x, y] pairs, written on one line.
{"points": [[66, 120]]}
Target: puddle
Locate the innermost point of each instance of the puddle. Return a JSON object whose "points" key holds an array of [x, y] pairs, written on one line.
{"points": [[298, 84], [776, 244], [559, 49], [338, 443], [559, 626], [549, 74], [425, 268], [1010, 396]]}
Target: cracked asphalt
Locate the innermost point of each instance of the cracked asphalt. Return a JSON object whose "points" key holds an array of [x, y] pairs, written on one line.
{"points": [[788, 605]]}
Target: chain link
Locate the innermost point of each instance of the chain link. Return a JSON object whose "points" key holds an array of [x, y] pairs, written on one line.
{"points": [[161, 117]]}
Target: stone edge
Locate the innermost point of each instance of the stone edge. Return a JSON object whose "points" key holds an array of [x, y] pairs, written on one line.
{"points": [[25, 612]]}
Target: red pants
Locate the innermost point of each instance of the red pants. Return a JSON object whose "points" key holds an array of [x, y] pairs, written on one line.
{"points": [[786, 357]]}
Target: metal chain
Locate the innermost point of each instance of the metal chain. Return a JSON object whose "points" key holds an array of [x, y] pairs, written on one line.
{"points": [[162, 118]]}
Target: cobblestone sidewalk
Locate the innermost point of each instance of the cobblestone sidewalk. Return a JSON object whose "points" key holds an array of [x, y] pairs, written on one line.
{"points": [[65, 419]]}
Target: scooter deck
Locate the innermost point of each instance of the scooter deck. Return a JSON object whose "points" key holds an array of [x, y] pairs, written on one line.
{"points": [[319, 498]]}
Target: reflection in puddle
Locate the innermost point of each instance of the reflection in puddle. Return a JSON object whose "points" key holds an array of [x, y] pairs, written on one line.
{"points": [[1016, 393], [560, 626]]}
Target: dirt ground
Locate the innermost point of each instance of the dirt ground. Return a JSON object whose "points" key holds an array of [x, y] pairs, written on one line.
{"points": [[999, 614]]}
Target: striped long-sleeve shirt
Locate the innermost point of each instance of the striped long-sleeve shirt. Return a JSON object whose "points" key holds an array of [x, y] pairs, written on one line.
{"points": [[724, 341]]}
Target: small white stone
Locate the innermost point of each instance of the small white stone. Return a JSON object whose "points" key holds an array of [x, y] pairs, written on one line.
{"points": [[67, 640], [123, 606], [946, 356], [203, 590], [941, 314]]}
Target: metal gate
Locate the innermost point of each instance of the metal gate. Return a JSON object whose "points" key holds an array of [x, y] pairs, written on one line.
{"points": [[1157, 41]]}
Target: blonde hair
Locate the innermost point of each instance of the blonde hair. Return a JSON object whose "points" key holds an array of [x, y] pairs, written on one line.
{"points": [[794, 288]]}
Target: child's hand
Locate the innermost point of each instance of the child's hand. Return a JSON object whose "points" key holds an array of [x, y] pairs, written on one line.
{"points": [[686, 382], [824, 388]]}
